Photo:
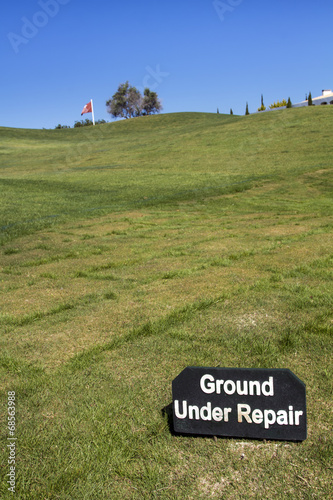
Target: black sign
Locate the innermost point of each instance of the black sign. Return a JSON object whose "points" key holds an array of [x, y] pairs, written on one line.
{"points": [[240, 402]]}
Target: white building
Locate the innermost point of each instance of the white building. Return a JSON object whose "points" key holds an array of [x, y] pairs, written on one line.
{"points": [[325, 98]]}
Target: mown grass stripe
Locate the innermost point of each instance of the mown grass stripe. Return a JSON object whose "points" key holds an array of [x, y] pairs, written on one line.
{"points": [[148, 329], [178, 195], [10, 320]]}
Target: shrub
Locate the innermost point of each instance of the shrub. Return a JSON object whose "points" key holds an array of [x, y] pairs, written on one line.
{"points": [[59, 126], [279, 104]]}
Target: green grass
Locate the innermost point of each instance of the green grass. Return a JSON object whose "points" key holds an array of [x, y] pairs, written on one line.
{"points": [[131, 250]]}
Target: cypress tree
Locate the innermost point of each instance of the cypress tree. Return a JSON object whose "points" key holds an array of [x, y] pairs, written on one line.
{"points": [[231, 111], [262, 107], [289, 105], [310, 99], [247, 109]]}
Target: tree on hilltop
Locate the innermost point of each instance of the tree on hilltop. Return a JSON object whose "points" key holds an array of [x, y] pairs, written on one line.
{"points": [[150, 103], [310, 99], [125, 103], [128, 102]]}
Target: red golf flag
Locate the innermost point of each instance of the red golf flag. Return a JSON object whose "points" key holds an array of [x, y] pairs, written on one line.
{"points": [[87, 108]]}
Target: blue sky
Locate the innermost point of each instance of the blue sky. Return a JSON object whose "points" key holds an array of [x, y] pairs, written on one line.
{"points": [[198, 55]]}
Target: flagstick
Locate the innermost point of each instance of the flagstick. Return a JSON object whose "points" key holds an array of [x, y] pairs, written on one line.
{"points": [[92, 110]]}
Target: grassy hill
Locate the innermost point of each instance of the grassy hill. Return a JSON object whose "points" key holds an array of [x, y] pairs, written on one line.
{"points": [[151, 161], [134, 249]]}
